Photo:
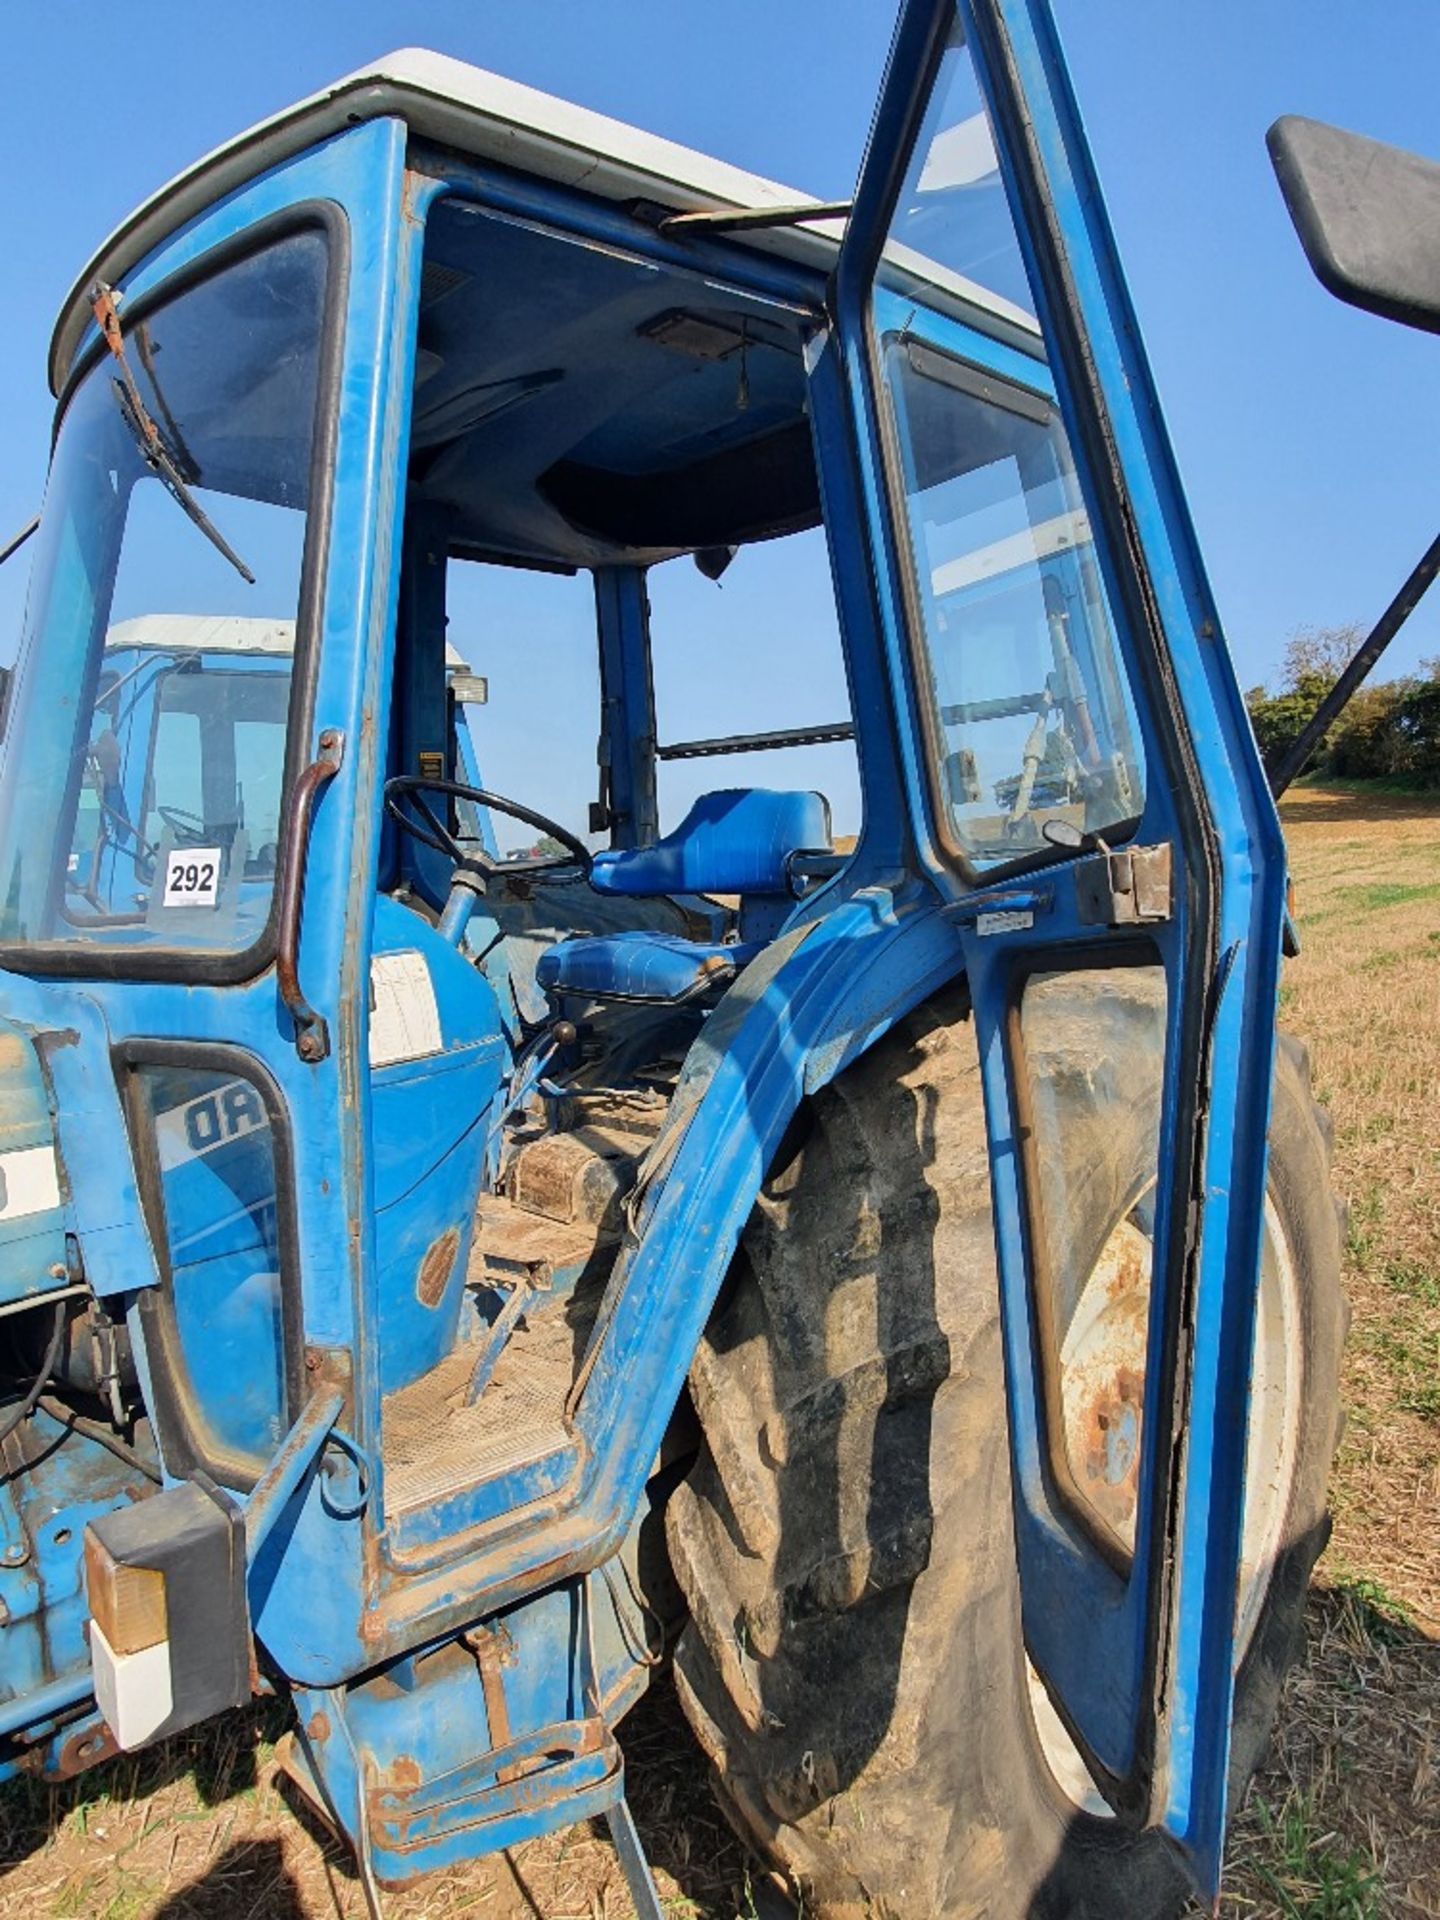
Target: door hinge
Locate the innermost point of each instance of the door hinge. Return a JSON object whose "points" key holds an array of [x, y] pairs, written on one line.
{"points": [[1125, 888]]}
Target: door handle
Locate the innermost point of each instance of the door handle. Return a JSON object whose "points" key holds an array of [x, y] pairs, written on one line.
{"points": [[312, 1036]]}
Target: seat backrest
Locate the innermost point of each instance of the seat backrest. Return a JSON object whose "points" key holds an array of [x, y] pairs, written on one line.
{"points": [[735, 840]]}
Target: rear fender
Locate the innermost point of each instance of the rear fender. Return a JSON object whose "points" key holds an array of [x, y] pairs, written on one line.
{"points": [[812, 1003], [809, 1006]]}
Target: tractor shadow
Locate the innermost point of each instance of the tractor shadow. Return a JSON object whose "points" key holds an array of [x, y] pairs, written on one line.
{"points": [[212, 1765], [249, 1877], [1356, 807]]}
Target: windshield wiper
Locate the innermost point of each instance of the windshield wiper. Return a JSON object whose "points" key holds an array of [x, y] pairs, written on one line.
{"points": [[155, 451]]}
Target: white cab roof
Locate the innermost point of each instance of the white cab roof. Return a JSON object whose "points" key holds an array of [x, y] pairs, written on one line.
{"points": [[479, 113], [219, 633], [493, 119]]}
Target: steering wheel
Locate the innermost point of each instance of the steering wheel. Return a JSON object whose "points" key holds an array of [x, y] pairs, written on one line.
{"points": [[187, 827], [407, 791]]}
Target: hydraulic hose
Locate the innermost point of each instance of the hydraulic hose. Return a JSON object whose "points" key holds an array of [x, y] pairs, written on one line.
{"points": [[47, 1366]]}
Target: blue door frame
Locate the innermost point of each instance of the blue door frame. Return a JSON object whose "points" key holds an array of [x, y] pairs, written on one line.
{"points": [[1146, 1687], [342, 667]]}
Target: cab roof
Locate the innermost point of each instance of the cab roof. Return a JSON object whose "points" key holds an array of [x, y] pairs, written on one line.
{"points": [[479, 113], [218, 633]]}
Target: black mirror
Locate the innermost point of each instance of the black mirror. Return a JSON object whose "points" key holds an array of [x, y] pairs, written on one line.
{"points": [[712, 561], [1368, 217]]}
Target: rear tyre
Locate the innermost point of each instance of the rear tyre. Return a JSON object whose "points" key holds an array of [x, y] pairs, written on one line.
{"points": [[853, 1663]]}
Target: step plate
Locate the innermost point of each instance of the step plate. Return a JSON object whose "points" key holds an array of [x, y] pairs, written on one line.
{"points": [[436, 1446]]}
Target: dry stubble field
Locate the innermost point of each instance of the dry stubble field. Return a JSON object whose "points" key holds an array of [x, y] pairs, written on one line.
{"points": [[1344, 1821]]}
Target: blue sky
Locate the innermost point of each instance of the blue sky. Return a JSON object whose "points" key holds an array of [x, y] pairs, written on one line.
{"points": [[1305, 431]]}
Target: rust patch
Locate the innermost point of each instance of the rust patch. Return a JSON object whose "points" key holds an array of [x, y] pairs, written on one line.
{"points": [[1129, 1276], [87, 1748], [402, 1776], [1112, 1425], [437, 1267], [317, 1727]]}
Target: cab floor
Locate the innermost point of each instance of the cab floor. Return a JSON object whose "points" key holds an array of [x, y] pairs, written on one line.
{"points": [[435, 1444]]}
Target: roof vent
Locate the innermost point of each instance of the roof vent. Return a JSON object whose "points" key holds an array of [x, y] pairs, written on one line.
{"points": [[693, 334], [436, 280]]}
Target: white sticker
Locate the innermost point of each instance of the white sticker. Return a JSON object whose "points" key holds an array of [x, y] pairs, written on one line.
{"points": [[192, 877], [214, 1120], [28, 1182], [1011, 922], [404, 1019]]}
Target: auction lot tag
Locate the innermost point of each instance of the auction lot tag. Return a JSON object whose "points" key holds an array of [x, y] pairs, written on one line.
{"points": [[192, 877]]}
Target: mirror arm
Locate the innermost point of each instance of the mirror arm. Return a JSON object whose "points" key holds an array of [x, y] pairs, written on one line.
{"points": [[14, 544], [1286, 766]]}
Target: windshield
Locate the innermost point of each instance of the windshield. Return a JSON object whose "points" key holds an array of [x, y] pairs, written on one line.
{"points": [[144, 776]]}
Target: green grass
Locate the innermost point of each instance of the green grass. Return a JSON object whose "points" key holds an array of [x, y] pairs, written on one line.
{"points": [[1367, 1213], [1368, 789], [1413, 1359], [1413, 1281], [1374, 896], [1379, 894], [1310, 1874]]}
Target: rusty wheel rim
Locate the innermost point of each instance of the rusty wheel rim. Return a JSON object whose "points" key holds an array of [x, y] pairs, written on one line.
{"points": [[1102, 1382]]}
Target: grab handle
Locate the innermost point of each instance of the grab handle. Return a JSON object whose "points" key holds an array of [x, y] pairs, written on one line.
{"points": [[312, 1036]]}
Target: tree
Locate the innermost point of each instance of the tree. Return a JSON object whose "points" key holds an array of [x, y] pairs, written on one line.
{"points": [[1279, 718], [1320, 653], [1363, 747], [1389, 731], [1417, 733]]}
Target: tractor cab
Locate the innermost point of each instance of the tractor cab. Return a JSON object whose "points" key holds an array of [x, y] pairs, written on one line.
{"points": [[402, 1065]]}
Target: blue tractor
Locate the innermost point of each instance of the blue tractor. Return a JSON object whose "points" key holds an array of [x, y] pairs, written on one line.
{"points": [[456, 1260]]}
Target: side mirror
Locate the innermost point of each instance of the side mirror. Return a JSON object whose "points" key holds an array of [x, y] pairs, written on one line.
{"points": [[1368, 217]]}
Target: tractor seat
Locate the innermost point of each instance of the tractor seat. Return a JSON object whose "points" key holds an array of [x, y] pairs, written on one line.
{"points": [[740, 840]]}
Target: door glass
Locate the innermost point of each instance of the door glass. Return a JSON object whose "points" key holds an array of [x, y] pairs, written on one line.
{"points": [[218, 1238], [1030, 716], [953, 209], [1092, 1055], [1030, 711]]}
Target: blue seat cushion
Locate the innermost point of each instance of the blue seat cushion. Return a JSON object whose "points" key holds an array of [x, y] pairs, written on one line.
{"points": [[640, 966], [735, 840]]}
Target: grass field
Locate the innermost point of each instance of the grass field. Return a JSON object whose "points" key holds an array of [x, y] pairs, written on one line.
{"points": [[1343, 1823]]}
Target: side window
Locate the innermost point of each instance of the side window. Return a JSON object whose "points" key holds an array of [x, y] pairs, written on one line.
{"points": [[532, 636], [756, 652], [217, 755], [1031, 717], [176, 788]]}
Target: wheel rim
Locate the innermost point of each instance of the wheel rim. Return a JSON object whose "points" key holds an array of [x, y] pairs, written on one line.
{"points": [[1102, 1376]]}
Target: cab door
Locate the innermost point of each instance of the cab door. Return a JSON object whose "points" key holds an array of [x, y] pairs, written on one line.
{"points": [[1084, 791]]}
